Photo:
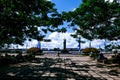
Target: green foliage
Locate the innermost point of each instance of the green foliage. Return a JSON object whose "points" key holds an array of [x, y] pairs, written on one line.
{"points": [[34, 51], [97, 19], [26, 16], [94, 55], [63, 30], [87, 51]]}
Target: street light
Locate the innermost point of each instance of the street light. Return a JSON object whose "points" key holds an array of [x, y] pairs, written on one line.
{"points": [[78, 39], [39, 39], [79, 43]]}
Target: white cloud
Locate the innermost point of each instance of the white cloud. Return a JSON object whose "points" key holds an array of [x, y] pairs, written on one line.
{"points": [[74, 9], [109, 0], [29, 44], [97, 43], [57, 42], [48, 0]]}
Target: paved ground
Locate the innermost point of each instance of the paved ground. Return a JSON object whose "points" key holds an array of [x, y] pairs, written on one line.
{"points": [[65, 67]]}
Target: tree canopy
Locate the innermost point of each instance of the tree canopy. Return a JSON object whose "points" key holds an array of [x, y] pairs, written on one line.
{"points": [[20, 19], [97, 19]]}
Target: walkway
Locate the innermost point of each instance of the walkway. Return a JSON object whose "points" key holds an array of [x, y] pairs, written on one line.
{"points": [[65, 67]]}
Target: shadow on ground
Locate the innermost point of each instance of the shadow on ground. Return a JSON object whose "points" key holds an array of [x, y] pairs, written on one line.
{"points": [[46, 69]]}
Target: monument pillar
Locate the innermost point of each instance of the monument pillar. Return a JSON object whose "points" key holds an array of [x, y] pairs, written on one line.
{"points": [[64, 44]]}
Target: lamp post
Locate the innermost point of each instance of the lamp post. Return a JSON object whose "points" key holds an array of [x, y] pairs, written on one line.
{"points": [[39, 39], [79, 43], [39, 44]]}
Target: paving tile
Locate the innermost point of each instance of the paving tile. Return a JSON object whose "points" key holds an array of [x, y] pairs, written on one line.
{"points": [[119, 75], [63, 67], [46, 74], [52, 66], [74, 69], [114, 77], [84, 73], [70, 79], [39, 72], [52, 75], [95, 75], [104, 76], [108, 78], [77, 72], [68, 67], [57, 66]]}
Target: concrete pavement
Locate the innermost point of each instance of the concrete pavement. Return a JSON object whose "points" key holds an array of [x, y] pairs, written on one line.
{"points": [[65, 67]]}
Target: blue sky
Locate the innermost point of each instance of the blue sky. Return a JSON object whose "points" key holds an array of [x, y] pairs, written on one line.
{"points": [[66, 5], [57, 38]]}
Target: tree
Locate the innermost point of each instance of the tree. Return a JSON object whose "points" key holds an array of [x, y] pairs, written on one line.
{"points": [[20, 19], [97, 19]]}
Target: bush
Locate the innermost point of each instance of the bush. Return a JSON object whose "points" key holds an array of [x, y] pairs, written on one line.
{"points": [[56, 49], [34, 51], [87, 51], [115, 59], [94, 55], [64, 51]]}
